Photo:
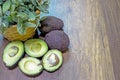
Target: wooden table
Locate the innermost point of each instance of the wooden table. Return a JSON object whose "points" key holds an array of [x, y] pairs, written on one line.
{"points": [[93, 27]]}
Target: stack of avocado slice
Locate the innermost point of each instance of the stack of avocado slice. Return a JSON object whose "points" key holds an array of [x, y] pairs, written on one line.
{"points": [[32, 65]]}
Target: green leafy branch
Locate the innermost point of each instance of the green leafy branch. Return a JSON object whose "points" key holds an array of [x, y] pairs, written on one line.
{"points": [[21, 13]]}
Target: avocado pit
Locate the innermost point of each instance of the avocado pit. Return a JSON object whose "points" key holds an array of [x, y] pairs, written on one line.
{"points": [[53, 59], [30, 65], [13, 51]]}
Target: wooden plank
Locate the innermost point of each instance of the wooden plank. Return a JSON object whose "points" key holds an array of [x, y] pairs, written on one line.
{"points": [[89, 48], [111, 12]]}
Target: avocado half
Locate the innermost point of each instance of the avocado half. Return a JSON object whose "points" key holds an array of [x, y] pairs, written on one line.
{"points": [[52, 60], [12, 53], [30, 66], [36, 47]]}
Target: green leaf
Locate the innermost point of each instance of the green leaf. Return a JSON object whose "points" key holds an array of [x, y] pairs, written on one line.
{"points": [[0, 22], [20, 1], [24, 0], [0, 11], [20, 28], [46, 4], [14, 1], [22, 15], [1, 2], [12, 8], [21, 8], [5, 23], [42, 8], [31, 7], [34, 2], [9, 18], [14, 16], [37, 1], [22, 4], [46, 1], [6, 6], [37, 24], [31, 16], [2, 30], [29, 24]]}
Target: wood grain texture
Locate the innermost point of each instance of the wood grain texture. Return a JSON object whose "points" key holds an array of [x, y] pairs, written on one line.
{"points": [[112, 20], [94, 32]]}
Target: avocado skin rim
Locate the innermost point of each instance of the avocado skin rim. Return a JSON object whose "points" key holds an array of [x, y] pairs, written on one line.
{"points": [[16, 64]]}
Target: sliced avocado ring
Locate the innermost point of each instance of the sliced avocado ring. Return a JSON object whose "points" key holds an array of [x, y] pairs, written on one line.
{"points": [[52, 60], [12, 53], [36, 47], [30, 66]]}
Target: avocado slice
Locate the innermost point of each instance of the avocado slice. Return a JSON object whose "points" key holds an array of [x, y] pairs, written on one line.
{"points": [[30, 66], [36, 47], [12, 53], [52, 60]]}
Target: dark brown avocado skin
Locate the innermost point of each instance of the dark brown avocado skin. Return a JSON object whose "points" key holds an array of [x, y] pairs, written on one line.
{"points": [[51, 23], [57, 39]]}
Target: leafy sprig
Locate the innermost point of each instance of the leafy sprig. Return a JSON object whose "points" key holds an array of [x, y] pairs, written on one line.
{"points": [[22, 13]]}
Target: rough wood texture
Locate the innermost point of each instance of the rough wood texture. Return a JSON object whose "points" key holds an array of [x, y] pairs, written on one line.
{"points": [[94, 31]]}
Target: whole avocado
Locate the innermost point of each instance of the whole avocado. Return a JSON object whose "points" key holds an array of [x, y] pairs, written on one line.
{"points": [[57, 39], [51, 23]]}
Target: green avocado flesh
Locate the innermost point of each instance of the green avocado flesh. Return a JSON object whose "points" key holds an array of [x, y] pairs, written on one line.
{"points": [[12, 53], [30, 66], [36, 47], [52, 60]]}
